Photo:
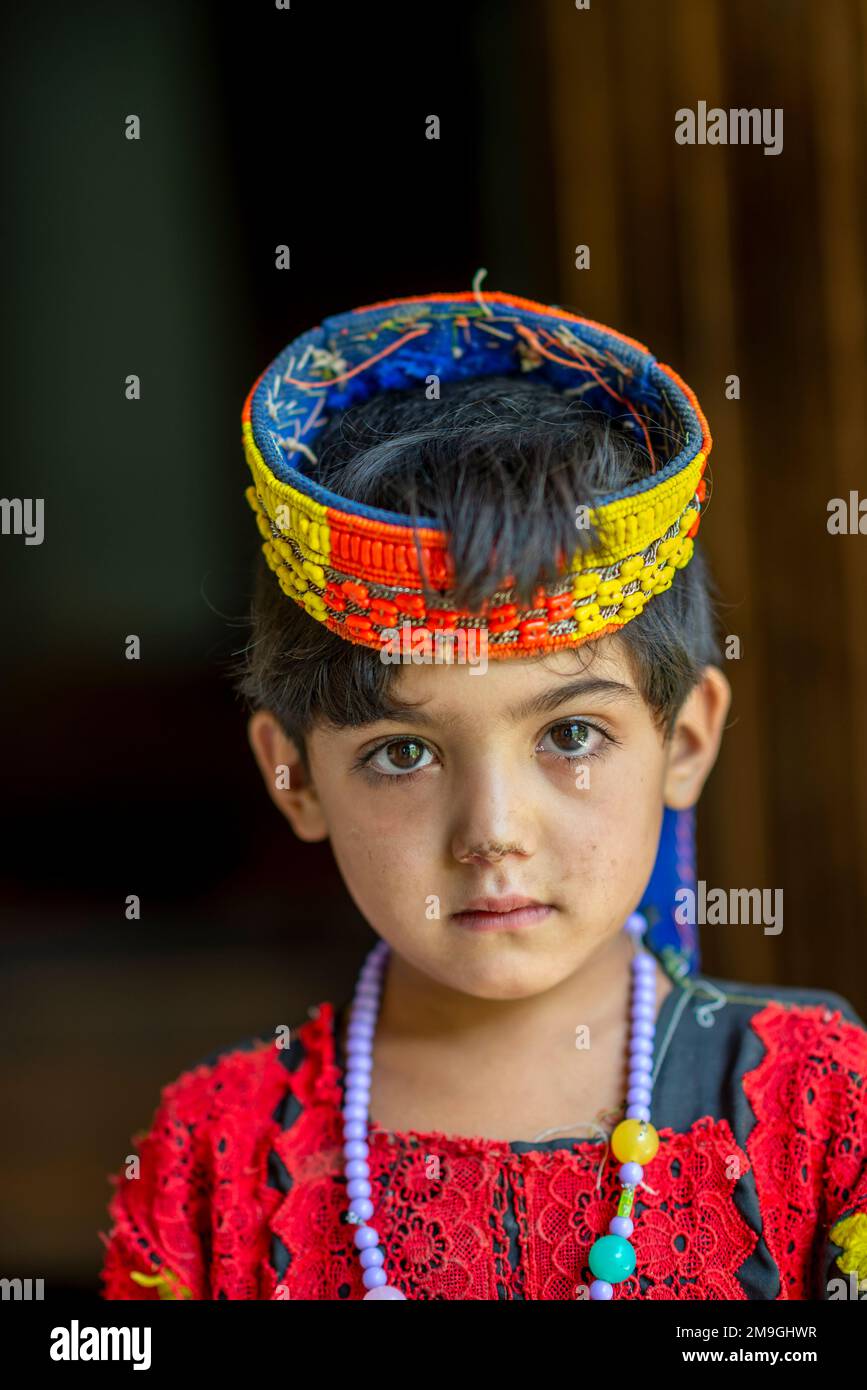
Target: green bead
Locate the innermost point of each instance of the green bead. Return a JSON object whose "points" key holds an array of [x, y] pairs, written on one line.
{"points": [[624, 1206], [612, 1258]]}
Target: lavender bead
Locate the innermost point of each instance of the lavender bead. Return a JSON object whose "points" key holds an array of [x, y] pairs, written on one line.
{"points": [[358, 1095], [371, 1257], [361, 1209], [364, 1237], [358, 1187], [636, 924], [630, 1174], [374, 1278], [356, 1148], [621, 1226], [360, 1032], [601, 1289]]}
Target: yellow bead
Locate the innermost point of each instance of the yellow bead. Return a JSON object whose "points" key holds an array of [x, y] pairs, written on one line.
{"points": [[688, 518], [635, 601], [649, 578], [609, 593], [585, 584], [685, 554], [631, 568], [315, 572], [586, 612], [665, 548], [635, 1141]]}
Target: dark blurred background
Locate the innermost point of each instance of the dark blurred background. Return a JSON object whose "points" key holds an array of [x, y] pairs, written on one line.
{"points": [[306, 127]]}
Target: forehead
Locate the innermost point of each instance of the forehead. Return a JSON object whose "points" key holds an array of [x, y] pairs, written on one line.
{"points": [[508, 690]]}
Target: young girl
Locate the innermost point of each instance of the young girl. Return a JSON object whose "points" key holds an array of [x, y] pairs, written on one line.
{"points": [[483, 665]]}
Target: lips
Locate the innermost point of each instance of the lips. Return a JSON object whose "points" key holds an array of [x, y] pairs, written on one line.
{"points": [[507, 904], [502, 914]]}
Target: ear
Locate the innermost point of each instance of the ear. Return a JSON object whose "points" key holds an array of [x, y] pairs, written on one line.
{"points": [[695, 739], [289, 787]]}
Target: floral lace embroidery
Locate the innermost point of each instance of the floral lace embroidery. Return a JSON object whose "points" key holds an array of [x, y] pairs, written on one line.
{"points": [[809, 1143], [198, 1212]]}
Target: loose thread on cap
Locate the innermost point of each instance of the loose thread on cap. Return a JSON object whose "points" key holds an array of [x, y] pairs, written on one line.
{"points": [[477, 291], [583, 365]]}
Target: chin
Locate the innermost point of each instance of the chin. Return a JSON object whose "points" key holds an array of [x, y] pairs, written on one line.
{"points": [[501, 981]]}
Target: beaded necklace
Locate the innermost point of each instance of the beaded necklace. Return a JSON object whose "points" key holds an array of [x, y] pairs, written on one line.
{"points": [[634, 1141]]}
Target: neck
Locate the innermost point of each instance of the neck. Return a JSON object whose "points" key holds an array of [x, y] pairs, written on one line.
{"points": [[416, 1009]]}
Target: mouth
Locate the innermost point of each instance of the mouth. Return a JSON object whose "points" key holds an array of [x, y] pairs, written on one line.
{"points": [[501, 914]]}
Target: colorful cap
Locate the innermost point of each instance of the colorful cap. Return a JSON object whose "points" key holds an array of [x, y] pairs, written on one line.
{"points": [[359, 569]]}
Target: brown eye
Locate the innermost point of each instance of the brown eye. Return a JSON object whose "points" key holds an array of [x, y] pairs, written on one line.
{"points": [[407, 753], [400, 756], [573, 737]]}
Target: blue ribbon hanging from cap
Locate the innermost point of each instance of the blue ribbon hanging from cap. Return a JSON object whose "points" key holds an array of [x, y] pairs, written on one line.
{"points": [[675, 943]]}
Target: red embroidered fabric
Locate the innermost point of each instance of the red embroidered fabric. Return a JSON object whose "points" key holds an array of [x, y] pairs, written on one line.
{"points": [[203, 1210], [809, 1145]]}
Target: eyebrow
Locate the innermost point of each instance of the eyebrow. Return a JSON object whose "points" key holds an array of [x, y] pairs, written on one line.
{"points": [[542, 703]]}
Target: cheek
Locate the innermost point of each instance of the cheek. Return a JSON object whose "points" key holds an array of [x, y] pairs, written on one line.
{"points": [[609, 840], [380, 848]]}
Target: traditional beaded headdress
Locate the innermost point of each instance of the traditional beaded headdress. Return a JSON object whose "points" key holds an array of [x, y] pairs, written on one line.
{"points": [[358, 569]]}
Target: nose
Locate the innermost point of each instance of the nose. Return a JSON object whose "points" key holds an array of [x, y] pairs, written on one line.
{"points": [[491, 817]]}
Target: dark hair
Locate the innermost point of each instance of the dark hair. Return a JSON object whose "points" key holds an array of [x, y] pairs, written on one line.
{"points": [[500, 462]]}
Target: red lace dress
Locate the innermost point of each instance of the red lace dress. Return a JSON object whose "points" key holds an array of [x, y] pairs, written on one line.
{"points": [[241, 1195]]}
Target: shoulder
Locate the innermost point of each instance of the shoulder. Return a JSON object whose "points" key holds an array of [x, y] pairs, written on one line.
{"points": [[800, 1052], [250, 1077], [207, 1145], [802, 1064]]}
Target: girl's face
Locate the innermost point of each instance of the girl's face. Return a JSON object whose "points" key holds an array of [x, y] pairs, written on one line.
{"points": [[544, 779]]}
